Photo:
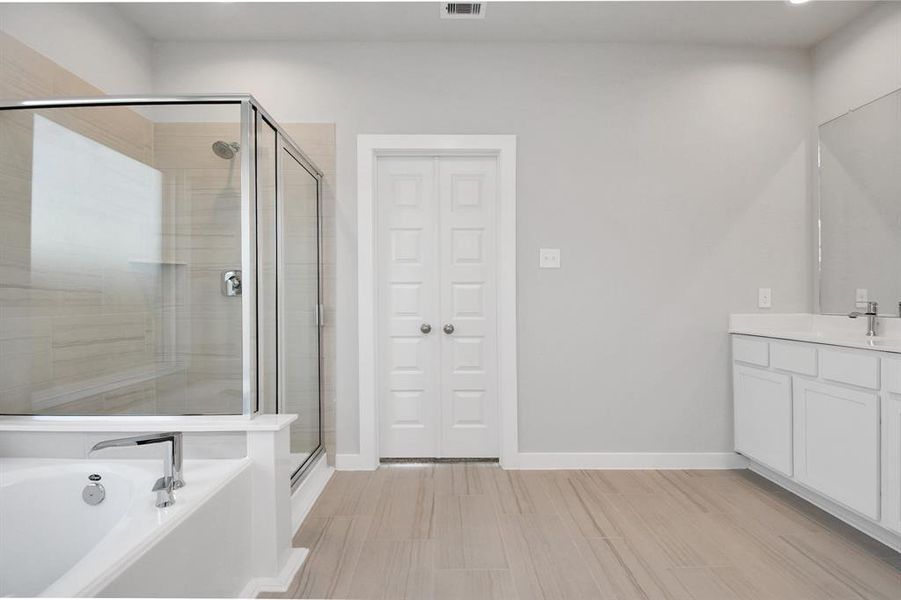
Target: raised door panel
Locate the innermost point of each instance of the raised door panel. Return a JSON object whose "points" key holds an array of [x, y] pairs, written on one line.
{"points": [[408, 250], [467, 189], [891, 461], [763, 417], [837, 444]]}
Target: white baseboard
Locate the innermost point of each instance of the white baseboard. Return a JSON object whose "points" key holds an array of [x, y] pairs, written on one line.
{"points": [[836, 510], [591, 460], [308, 491], [279, 583], [630, 460], [354, 462]]}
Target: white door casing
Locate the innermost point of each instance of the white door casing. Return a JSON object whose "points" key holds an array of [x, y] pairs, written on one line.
{"points": [[460, 151], [437, 317]]}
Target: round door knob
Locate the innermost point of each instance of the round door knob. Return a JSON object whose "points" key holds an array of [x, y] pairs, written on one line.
{"points": [[425, 328], [449, 329]]}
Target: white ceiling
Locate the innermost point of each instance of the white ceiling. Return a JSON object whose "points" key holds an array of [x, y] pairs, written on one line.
{"points": [[758, 23]]}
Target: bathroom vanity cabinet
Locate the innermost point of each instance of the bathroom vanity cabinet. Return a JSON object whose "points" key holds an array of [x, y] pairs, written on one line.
{"points": [[823, 421]]}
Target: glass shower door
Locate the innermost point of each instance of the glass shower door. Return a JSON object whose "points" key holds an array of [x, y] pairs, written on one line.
{"points": [[119, 224], [299, 305]]}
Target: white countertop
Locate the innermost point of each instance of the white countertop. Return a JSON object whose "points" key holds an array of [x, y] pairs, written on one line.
{"points": [[833, 330], [132, 424]]}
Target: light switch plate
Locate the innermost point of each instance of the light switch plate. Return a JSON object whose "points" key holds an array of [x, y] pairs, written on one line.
{"points": [[764, 298], [549, 258], [860, 297]]}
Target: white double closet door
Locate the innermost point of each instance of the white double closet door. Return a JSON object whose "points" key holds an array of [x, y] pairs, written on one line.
{"points": [[437, 341]]}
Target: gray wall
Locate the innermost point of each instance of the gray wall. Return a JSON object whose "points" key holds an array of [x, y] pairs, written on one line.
{"points": [[858, 63], [673, 178], [91, 40]]}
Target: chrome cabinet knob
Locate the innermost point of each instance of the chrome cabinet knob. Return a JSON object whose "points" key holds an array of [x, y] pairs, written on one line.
{"points": [[425, 328], [449, 328]]}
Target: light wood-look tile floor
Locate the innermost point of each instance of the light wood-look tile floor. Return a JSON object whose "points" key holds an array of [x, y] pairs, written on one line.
{"points": [[473, 531]]}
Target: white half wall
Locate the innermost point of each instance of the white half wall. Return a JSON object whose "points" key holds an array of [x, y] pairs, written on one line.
{"points": [[674, 179], [858, 63], [91, 40]]}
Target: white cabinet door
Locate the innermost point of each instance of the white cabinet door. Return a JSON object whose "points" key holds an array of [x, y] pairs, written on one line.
{"points": [[891, 461], [408, 298], [763, 417], [837, 443]]}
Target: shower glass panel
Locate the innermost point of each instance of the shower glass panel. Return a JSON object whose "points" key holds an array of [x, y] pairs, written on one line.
{"points": [[299, 302], [118, 223]]}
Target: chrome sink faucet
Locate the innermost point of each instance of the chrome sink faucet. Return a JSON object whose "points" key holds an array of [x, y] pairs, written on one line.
{"points": [[872, 317], [172, 462]]}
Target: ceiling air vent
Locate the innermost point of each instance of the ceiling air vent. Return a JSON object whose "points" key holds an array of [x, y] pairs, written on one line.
{"points": [[462, 10]]}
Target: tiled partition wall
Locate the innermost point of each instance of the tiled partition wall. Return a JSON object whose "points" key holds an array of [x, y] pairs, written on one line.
{"points": [[74, 335]]}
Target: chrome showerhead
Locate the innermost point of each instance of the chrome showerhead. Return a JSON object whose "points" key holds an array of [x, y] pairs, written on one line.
{"points": [[226, 150]]}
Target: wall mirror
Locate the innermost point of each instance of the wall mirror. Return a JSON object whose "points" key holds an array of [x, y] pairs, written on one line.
{"points": [[860, 208]]}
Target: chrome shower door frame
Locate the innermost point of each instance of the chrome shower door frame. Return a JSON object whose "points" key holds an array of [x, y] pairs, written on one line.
{"points": [[250, 111], [249, 251], [286, 144]]}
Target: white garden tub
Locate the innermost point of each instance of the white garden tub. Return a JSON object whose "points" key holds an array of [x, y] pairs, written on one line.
{"points": [[52, 543]]}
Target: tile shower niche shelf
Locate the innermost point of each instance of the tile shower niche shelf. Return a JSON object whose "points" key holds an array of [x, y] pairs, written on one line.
{"points": [[156, 262]]}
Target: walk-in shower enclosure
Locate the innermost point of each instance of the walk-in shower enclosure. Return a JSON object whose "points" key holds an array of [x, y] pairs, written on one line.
{"points": [[159, 256]]}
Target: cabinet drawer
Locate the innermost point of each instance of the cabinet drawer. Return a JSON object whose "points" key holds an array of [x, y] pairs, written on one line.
{"points": [[891, 375], [750, 350], [796, 358], [850, 367]]}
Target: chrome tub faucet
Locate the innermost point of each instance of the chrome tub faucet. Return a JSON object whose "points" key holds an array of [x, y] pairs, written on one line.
{"points": [[872, 316], [172, 462]]}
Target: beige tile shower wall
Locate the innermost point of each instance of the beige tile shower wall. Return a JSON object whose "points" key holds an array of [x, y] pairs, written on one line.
{"points": [[77, 334], [202, 238], [318, 141]]}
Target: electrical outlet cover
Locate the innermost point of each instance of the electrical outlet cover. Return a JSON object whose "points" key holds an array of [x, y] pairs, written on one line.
{"points": [[549, 258]]}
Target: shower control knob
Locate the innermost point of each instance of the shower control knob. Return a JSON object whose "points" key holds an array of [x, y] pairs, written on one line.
{"points": [[425, 328], [449, 328]]}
